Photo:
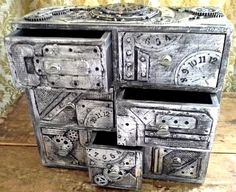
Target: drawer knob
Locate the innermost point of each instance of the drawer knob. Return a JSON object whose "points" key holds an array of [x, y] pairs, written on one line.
{"points": [[163, 131], [176, 161], [166, 60]]}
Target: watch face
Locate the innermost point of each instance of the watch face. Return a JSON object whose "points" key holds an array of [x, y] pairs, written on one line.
{"points": [[105, 155], [199, 69]]}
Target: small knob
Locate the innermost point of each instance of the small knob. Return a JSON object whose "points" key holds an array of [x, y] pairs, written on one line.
{"points": [[176, 161], [166, 60], [163, 131]]}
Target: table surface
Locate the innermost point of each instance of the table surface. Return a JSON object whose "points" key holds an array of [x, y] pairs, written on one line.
{"points": [[21, 169]]}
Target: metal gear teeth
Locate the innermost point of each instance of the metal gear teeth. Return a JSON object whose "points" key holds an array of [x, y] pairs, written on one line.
{"points": [[206, 12], [36, 18], [60, 11]]}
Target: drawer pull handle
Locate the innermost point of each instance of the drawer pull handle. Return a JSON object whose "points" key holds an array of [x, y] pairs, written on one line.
{"points": [[166, 60], [176, 161], [163, 131]]}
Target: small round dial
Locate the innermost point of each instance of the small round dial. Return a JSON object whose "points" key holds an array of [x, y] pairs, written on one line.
{"points": [[199, 69], [105, 155]]}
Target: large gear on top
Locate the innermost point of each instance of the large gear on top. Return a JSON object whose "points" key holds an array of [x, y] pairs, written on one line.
{"points": [[38, 16], [206, 11], [60, 11], [124, 12]]}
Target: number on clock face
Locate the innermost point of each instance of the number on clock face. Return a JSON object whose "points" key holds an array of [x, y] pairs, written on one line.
{"points": [[105, 155], [199, 69]]}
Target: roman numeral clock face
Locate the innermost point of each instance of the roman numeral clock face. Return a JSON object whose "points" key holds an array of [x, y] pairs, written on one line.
{"points": [[199, 69]]}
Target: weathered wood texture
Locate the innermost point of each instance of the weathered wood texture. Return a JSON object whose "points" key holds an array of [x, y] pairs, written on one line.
{"points": [[21, 169]]}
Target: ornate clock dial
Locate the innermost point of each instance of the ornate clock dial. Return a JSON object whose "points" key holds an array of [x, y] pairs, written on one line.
{"points": [[105, 155], [124, 12], [199, 69]]}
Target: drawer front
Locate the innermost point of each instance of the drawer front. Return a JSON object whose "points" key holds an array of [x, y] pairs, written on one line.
{"points": [[175, 164], [81, 109], [63, 147], [171, 59], [158, 126], [59, 63], [115, 167]]}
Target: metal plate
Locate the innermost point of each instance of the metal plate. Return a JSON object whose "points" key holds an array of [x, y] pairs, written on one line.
{"points": [[71, 63], [95, 114], [176, 164], [63, 147], [115, 167], [170, 59], [138, 126]]}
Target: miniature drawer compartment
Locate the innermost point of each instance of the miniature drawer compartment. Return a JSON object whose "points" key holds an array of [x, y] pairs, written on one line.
{"points": [[83, 110], [60, 58], [176, 164], [167, 118], [63, 147], [113, 166], [176, 60]]}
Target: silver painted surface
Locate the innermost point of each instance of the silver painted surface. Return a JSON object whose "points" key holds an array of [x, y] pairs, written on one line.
{"points": [[75, 64]]}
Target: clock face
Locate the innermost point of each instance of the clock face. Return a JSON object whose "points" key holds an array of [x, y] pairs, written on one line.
{"points": [[199, 69], [105, 155]]}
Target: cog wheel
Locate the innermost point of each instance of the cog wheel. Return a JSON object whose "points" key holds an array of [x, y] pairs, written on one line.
{"points": [[60, 11], [114, 176], [100, 180], [206, 11], [38, 16], [63, 145], [72, 135], [124, 12]]}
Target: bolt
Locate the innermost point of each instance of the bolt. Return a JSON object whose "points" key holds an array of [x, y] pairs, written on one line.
{"points": [[129, 53], [143, 59], [128, 40]]}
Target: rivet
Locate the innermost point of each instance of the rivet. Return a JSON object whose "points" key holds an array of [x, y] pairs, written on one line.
{"points": [[128, 40], [143, 59], [129, 53], [128, 74], [129, 64]]}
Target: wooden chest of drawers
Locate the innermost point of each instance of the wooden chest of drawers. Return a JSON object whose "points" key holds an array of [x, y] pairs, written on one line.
{"points": [[124, 90]]}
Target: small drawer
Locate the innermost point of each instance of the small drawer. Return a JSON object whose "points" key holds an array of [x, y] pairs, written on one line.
{"points": [[70, 59], [63, 147], [174, 60], [167, 118], [81, 109], [114, 166], [175, 164]]}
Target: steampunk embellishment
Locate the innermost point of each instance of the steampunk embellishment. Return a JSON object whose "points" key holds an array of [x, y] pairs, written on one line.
{"points": [[126, 91]]}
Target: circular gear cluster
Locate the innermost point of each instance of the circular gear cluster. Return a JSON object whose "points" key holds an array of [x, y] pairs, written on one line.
{"points": [[63, 145], [206, 12], [72, 135], [60, 11], [38, 16], [124, 12], [100, 180], [114, 175]]}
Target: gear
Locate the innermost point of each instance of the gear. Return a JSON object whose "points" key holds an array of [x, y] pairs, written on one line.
{"points": [[72, 135], [60, 11], [63, 145], [124, 12], [100, 180], [206, 11], [38, 16], [113, 174]]}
